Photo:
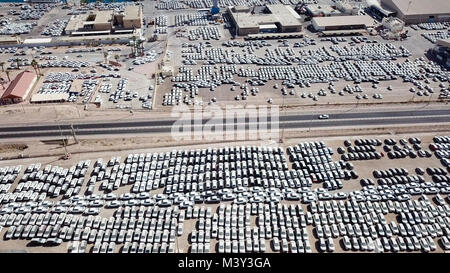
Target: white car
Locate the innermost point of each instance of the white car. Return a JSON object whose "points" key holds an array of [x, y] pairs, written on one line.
{"points": [[324, 116]]}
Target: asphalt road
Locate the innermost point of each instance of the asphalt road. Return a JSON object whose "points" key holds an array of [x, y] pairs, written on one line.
{"points": [[285, 122]]}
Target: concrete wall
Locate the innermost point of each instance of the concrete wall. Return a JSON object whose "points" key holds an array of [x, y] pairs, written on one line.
{"points": [[417, 19], [132, 23], [102, 26], [246, 31], [291, 28]]}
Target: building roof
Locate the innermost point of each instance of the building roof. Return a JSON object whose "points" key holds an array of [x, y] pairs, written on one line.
{"points": [[275, 35], [9, 39], [337, 21], [75, 22], [91, 32], [268, 26], [50, 97], [245, 21], [241, 8], [444, 43], [103, 16], [37, 40], [283, 14], [418, 7], [133, 13], [136, 32], [20, 86], [322, 8]]}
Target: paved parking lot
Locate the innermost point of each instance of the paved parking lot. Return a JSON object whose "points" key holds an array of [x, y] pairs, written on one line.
{"points": [[207, 62], [377, 64]]}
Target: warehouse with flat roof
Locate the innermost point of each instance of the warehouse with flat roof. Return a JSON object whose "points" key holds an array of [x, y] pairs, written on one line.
{"points": [[420, 11], [342, 22], [278, 18]]}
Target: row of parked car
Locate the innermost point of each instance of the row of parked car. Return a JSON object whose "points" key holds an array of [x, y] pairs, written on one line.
{"points": [[251, 180]]}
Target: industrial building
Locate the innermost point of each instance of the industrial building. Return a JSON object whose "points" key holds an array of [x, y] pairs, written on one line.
{"points": [[11, 40], [278, 18], [132, 18], [19, 88], [339, 23], [420, 11], [49, 98], [321, 10], [375, 9], [105, 22]]}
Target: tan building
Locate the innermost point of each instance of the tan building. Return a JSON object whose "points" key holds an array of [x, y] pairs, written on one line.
{"points": [[280, 18], [342, 22], [420, 11], [102, 20], [95, 21], [316, 10], [75, 23], [106, 22], [10, 40], [133, 17]]}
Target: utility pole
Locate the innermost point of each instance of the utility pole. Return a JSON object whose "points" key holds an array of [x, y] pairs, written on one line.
{"points": [[64, 139], [65, 146], [283, 112], [74, 134]]}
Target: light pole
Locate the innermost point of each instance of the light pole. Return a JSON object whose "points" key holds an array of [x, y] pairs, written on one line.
{"points": [[310, 122]]}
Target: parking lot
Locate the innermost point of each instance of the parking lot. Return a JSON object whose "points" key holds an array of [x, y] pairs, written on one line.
{"points": [[65, 69], [303, 71], [210, 67], [333, 195]]}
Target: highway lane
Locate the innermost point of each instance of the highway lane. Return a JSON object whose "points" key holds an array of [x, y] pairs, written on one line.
{"points": [[284, 124], [169, 122]]}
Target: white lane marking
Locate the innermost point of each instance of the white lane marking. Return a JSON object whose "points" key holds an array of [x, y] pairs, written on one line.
{"points": [[201, 125]]}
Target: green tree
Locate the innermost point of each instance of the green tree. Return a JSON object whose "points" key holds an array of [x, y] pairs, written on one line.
{"points": [[17, 61], [105, 54], [34, 64], [133, 45]]}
